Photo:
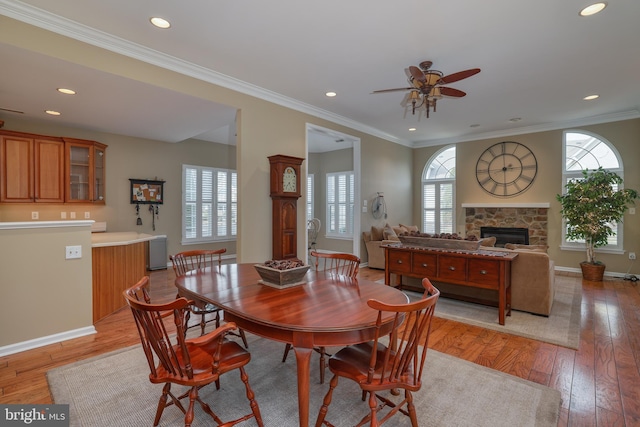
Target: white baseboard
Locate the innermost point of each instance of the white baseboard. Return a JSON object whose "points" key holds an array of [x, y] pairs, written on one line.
{"points": [[50, 339]]}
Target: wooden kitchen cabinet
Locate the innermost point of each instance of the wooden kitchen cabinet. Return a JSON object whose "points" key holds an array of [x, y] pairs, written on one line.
{"points": [[31, 168], [84, 171]]}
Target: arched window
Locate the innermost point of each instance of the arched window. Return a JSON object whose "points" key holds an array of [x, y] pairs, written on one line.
{"points": [[584, 150], [438, 192]]}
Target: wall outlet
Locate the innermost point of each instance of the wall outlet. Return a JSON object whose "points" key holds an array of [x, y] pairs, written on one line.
{"points": [[87, 215], [632, 211], [63, 215], [632, 255], [35, 215], [73, 252], [73, 215]]}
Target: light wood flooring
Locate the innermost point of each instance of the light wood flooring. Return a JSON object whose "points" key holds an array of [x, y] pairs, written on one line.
{"points": [[599, 383]]}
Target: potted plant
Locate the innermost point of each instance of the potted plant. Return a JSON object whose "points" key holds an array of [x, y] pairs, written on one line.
{"points": [[591, 207]]}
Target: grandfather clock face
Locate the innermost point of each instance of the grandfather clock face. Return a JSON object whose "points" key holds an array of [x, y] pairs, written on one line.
{"points": [[284, 192]]}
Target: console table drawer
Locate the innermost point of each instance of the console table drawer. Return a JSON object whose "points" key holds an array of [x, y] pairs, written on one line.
{"points": [[400, 262], [425, 264], [452, 268], [484, 272]]}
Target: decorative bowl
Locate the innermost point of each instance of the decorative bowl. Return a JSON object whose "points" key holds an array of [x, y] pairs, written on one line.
{"points": [[281, 278]]}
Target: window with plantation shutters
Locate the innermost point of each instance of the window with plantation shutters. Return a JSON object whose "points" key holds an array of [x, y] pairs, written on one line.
{"points": [[310, 196], [210, 204], [438, 192], [340, 204]]}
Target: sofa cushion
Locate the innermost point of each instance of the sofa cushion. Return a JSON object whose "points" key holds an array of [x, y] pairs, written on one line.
{"points": [[399, 230], [534, 248], [377, 233]]}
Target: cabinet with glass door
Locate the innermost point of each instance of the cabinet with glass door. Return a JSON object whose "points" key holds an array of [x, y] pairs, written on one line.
{"points": [[85, 171]]}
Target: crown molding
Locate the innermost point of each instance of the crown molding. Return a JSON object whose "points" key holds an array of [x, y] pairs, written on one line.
{"points": [[66, 27], [594, 120]]}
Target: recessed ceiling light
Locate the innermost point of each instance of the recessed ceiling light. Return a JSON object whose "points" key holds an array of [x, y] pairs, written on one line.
{"points": [[590, 97], [160, 22], [66, 91], [331, 94], [412, 129], [52, 112], [593, 9], [515, 119]]}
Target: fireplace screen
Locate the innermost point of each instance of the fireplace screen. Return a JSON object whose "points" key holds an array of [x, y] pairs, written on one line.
{"points": [[506, 235]]}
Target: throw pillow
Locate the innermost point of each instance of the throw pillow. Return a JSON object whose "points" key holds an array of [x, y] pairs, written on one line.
{"points": [[488, 241], [377, 233], [411, 228], [400, 230], [388, 233], [537, 248]]}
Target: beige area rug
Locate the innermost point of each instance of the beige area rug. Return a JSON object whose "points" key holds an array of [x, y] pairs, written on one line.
{"points": [[562, 327], [114, 390]]}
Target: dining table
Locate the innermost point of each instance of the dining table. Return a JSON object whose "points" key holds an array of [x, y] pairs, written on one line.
{"points": [[325, 310]]}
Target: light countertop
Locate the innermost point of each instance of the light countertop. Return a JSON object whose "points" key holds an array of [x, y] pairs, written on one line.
{"points": [[119, 238]]}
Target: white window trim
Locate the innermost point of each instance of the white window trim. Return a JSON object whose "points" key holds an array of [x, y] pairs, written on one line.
{"points": [[310, 205], [215, 237]]}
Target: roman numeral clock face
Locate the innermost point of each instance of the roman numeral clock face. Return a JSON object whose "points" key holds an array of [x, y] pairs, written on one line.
{"points": [[506, 169]]}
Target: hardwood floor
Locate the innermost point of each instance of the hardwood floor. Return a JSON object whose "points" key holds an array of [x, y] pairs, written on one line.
{"points": [[599, 383]]}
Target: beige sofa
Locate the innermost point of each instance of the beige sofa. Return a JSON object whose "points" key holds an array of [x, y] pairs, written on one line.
{"points": [[375, 252], [532, 282]]}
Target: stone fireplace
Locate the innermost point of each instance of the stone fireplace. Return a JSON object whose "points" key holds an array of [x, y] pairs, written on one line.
{"points": [[533, 216]]}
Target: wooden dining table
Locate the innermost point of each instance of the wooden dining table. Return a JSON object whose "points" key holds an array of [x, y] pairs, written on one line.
{"points": [[326, 310]]}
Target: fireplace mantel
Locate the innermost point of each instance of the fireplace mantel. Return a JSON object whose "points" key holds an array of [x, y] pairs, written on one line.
{"points": [[506, 205]]}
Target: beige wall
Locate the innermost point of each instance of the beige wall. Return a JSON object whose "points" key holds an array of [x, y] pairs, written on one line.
{"points": [[43, 293]]}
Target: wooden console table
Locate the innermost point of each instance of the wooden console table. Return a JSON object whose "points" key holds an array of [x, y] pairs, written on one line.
{"points": [[484, 269]]}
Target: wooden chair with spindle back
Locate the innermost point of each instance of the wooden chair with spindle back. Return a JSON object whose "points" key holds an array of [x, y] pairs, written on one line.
{"points": [[376, 366], [341, 264], [195, 260], [191, 362]]}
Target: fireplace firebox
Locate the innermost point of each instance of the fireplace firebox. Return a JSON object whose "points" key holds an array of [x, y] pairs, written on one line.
{"points": [[506, 235]]}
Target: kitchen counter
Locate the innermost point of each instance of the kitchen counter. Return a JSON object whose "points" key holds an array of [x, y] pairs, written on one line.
{"points": [[119, 238]]}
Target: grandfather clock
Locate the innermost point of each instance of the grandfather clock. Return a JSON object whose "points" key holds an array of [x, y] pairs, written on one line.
{"points": [[285, 191]]}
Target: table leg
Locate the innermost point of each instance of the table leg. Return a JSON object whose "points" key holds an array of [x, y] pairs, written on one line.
{"points": [[303, 358]]}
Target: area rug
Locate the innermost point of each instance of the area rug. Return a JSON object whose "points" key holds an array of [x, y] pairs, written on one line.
{"points": [[114, 390], [562, 327]]}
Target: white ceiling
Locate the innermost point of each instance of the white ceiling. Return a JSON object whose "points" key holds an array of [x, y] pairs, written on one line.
{"points": [[537, 64]]}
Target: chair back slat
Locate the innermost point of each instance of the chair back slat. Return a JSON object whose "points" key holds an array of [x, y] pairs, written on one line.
{"points": [[154, 336], [342, 264], [199, 259], [404, 357]]}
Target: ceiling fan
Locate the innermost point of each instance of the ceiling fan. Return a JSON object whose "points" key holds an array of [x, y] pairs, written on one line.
{"points": [[426, 85]]}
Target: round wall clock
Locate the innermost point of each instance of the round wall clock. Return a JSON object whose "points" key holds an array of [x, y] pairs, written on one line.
{"points": [[506, 169]]}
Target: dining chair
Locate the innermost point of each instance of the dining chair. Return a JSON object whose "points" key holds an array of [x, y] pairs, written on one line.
{"points": [[377, 366], [191, 362], [341, 264], [195, 260]]}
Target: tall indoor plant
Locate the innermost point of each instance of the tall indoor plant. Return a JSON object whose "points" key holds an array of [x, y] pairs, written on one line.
{"points": [[590, 207]]}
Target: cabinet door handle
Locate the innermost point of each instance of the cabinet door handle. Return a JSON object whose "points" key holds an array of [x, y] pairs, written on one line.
{"points": [[452, 268], [399, 261], [424, 264], [483, 271]]}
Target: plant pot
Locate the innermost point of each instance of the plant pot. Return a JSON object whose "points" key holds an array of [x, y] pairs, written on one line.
{"points": [[592, 272]]}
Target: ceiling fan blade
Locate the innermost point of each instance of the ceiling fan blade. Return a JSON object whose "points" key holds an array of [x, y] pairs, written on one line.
{"points": [[449, 91], [458, 76], [392, 90], [417, 73]]}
